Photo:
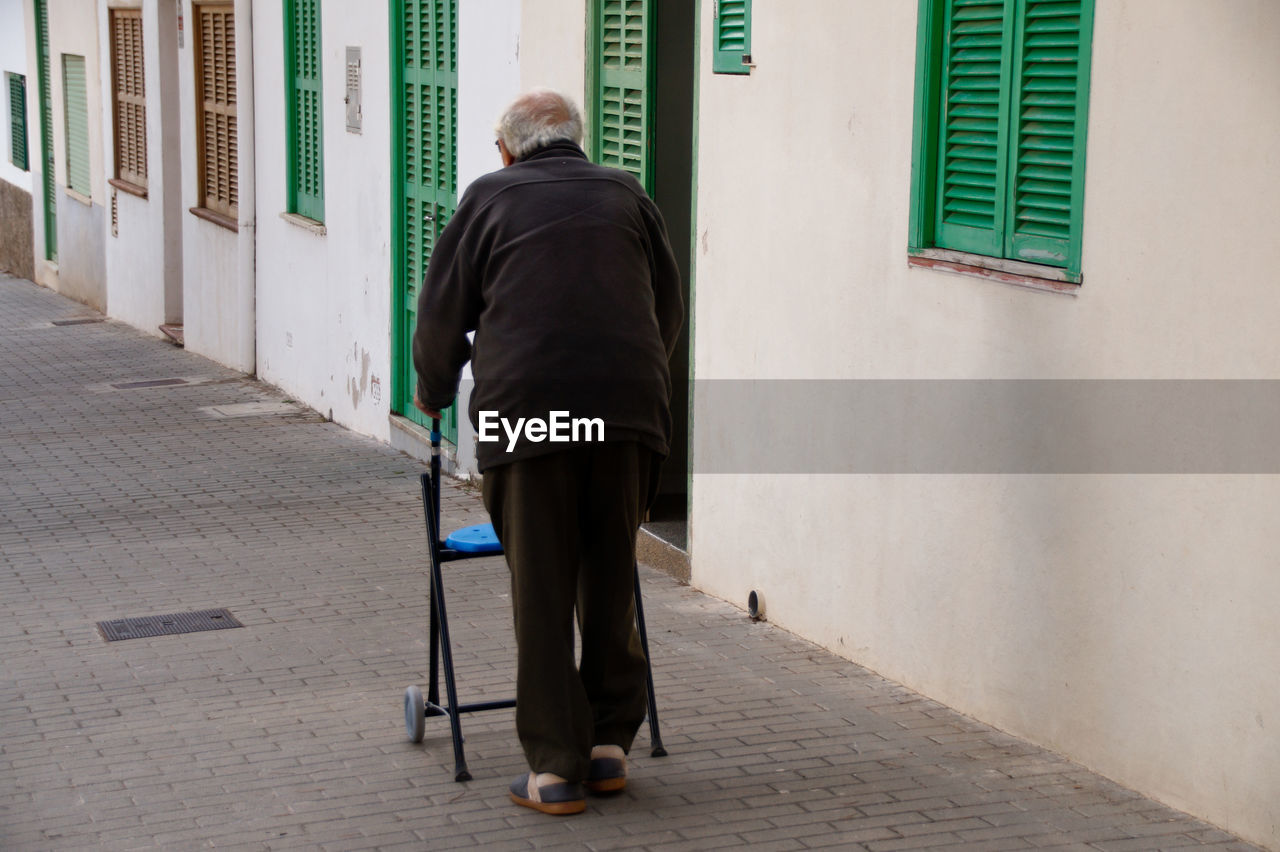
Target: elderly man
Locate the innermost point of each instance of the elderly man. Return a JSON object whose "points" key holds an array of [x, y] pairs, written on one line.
{"points": [[563, 270]]}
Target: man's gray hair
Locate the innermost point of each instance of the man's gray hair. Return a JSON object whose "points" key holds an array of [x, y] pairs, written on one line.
{"points": [[537, 118]]}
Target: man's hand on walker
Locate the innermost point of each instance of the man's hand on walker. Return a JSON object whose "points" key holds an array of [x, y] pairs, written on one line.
{"points": [[417, 403]]}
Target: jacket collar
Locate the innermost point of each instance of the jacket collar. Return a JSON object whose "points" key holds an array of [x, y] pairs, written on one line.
{"points": [[559, 148]]}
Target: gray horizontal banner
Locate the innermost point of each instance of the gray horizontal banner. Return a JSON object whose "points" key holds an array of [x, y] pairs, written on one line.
{"points": [[987, 426]]}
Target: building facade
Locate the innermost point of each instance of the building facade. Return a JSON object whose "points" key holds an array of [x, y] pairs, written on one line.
{"points": [[15, 144], [913, 234], [848, 192]]}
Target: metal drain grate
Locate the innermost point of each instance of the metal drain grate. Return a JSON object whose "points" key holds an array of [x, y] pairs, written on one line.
{"points": [[167, 625], [154, 383], [77, 321]]}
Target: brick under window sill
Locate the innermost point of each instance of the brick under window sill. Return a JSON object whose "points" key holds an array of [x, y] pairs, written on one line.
{"points": [[216, 218], [307, 224], [1030, 276], [125, 186]]}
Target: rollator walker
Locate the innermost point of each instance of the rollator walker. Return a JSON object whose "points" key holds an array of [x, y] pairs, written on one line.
{"points": [[475, 542]]}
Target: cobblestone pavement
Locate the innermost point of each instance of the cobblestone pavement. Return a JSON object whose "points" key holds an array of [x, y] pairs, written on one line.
{"points": [[288, 733]]}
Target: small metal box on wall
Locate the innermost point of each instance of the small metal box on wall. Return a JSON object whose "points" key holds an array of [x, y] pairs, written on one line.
{"points": [[355, 116]]}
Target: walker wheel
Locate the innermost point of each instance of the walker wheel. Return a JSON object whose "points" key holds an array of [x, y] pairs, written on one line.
{"points": [[415, 714]]}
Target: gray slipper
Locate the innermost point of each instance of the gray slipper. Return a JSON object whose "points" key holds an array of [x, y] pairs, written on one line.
{"points": [[559, 799], [607, 775]]}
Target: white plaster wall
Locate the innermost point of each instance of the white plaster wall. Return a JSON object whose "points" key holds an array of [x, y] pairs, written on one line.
{"points": [[217, 269], [1127, 621], [73, 29], [324, 300], [488, 80], [553, 46], [13, 59], [43, 269], [145, 284]]}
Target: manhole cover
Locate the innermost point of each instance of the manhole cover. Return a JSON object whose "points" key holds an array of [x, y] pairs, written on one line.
{"points": [[167, 625], [154, 383]]}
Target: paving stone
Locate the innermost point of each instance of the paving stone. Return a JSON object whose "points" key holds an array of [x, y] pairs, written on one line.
{"points": [[287, 733]]}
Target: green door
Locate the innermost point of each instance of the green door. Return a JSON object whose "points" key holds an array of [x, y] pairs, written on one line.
{"points": [[46, 132], [425, 184], [620, 74]]}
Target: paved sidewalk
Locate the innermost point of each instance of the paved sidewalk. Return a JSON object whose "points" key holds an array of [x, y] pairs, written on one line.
{"points": [[288, 733]]}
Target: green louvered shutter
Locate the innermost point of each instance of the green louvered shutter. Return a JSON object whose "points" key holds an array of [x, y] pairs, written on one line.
{"points": [[973, 132], [621, 115], [426, 148], [76, 106], [731, 33], [1045, 192], [47, 178], [18, 120], [303, 97]]}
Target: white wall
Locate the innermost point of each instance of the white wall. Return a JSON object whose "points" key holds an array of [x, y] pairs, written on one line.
{"points": [[13, 59], [43, 272], [218, 263], [324, 300], [143, 258], [82, 220], [553, 43], [488, 80], [1128, 621]]}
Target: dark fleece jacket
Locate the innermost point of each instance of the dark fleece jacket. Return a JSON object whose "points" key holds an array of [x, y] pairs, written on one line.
{"points": [[563, 270]]}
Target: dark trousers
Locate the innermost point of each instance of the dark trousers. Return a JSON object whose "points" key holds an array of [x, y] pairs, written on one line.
{"points": [[567, 522]]}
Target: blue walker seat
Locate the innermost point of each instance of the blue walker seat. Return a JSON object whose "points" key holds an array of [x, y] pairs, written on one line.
{"points": [[479, 538]]}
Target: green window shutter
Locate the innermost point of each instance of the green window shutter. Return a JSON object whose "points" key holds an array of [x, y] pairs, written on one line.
{"points": [[1001, 120], [18, 121], [47, 179], [76, 107], [303, 97], [731, 32], [1047, 158], [973, 131], [424, 86], [621, 113]]}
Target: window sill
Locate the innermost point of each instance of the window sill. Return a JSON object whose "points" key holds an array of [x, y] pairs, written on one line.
{"points": [[131, 188], [1027, 275], [304, 223], [83, 199], [216, 218]]}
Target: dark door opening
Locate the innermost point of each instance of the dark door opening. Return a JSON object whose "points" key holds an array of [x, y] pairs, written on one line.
{"points": [[671, 146], [640, 86]]}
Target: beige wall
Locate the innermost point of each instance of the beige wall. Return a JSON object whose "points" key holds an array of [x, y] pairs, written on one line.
{"points": [[73, 29], [82, 223], [144, 256], [218, 280], [1128, 621], [553, 45]]}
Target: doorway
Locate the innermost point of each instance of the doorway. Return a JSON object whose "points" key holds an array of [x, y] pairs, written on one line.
{"points": [[424, 96], [640, 105]]}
